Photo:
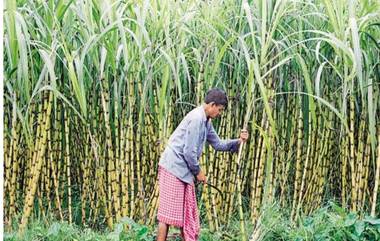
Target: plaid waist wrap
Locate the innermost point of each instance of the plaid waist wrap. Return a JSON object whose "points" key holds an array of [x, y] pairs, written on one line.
{"points": [[178, 204]]}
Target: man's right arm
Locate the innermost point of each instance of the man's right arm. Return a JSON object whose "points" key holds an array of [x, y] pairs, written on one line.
{"points": [[190, 150]]}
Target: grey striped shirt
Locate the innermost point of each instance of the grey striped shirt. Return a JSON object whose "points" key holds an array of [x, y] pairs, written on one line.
{"points": [[185, 145]]}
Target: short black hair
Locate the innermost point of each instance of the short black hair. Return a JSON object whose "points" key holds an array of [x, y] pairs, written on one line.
{"points": [[218, 96]]}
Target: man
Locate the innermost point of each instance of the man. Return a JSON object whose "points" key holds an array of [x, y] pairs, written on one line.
{"points": [[179, 165]]}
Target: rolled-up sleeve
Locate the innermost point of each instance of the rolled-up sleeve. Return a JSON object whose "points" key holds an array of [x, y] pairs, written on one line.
{"points": [[221, 145], [191, 146]]}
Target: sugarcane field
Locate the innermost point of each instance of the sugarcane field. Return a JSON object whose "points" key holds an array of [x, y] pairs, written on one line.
{"points": [[205, 120]]}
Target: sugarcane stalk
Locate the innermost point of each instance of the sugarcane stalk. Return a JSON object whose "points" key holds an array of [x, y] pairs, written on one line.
{"points": [[377, 178]]}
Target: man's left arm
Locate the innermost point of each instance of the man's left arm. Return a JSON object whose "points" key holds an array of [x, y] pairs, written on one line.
{"points": [[225, 145]]}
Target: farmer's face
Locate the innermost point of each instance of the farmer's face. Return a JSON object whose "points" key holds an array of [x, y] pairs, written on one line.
{"points": [[216, 110]]}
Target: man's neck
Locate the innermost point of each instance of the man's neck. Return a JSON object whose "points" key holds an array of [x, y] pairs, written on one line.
{"points": [[205, 108]]}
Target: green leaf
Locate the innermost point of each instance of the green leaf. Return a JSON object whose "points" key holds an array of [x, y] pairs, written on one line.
{"points": [[354, 237], [359, 227], [54, 229], [372, 220], [142, 232], [219, 57], [338, 209], [62, 8], [350, 220]]}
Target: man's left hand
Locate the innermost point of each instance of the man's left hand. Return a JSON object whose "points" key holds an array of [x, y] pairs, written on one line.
{"points": [[243, 136]]}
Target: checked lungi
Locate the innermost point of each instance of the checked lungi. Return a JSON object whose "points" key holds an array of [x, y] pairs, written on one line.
{"points": [[178, 204]]}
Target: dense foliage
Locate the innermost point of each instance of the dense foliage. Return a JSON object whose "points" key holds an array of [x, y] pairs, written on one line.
{"points": [[93, 89]]}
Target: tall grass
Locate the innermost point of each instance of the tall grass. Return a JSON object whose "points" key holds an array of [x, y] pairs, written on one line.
{"points": [[93, 89]]}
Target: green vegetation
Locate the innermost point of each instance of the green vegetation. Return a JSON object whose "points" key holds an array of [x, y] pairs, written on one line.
{"points": [[328, 223], [93, 89]]}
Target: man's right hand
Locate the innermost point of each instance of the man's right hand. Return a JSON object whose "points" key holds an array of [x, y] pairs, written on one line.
{"points": [[201, 177]]}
